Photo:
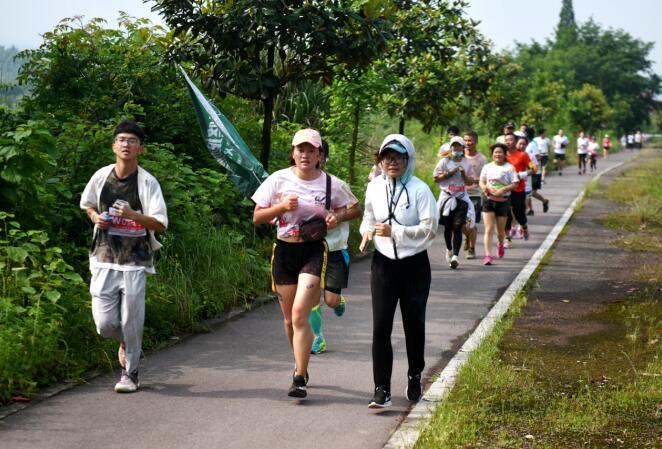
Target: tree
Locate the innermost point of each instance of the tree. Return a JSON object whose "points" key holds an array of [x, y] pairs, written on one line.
{"points": [[566, 30], [89, 71], [419, 67], [588, 108], [253, 49]]}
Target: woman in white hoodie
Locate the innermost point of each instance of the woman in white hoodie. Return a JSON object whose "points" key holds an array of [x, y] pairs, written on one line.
{"points": [[402, 214]]}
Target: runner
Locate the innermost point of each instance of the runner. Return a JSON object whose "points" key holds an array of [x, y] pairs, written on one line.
{"points": [[534, 182], [451, 174], [630, 142], [518, 158], [593, 150], [401, 212], [497, 180], [560, 143], [303, 199], [582, 152], [543, 145], [638, 140], [477, 161], [337, 268], [606, 144], [126, 205], [452, 131]]}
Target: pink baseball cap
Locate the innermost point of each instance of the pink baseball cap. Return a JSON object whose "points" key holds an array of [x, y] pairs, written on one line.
{"points": [[308, 135]]}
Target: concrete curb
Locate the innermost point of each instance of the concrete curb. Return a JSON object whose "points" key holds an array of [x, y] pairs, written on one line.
{"points": [[407, 433]]}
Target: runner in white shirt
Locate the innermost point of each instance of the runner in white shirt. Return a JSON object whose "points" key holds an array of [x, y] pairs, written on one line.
{"points": [[543, 145], [560, 143], [452, 174], [296, 199], [497, 180], [582, 152], [593, 150], [535, 179]]}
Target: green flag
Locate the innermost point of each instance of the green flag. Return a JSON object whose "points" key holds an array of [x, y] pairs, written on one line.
{"points": [[225, 143]]}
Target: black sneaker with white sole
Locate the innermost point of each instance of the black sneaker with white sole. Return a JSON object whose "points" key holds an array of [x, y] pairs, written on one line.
{"points": [[413, 391], [298, 388], [381, 399]]}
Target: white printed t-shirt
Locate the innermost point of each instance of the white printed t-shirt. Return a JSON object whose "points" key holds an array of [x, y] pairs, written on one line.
{"points": [[582, 145], [455, 184], [559, 144], [311, 196], [498, 176], [543, 145]]}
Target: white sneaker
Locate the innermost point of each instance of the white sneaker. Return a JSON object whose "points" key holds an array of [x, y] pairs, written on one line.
{"points": [[127, 383], [454, 262], [449, 255]]}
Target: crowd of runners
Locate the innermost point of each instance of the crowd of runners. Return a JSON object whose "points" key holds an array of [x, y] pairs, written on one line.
{"points": [[311, 210]]}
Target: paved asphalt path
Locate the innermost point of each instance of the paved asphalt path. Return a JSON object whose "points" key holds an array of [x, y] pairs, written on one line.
{"points": [[227, 388]]}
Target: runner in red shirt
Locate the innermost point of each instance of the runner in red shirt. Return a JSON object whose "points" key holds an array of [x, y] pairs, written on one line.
{"points": [[519, 159]]}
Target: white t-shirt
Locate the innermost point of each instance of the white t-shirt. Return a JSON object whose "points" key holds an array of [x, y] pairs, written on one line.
{"points": [[593, 147], [337, 237], [582, 145], [533, 151], [477, 163], [543, 145], [455, 184], [311, 195], [497, 176], [560, 142]]}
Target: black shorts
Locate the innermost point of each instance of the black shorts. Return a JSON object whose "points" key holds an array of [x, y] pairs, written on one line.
{"points": [[478, 206], [543, 160], [457, 216], [337, 271], [536, 181], [498, 208], [559, 157], [288, 260]]}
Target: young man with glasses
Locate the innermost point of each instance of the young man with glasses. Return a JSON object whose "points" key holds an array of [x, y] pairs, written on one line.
{"points": [[126, 205]]}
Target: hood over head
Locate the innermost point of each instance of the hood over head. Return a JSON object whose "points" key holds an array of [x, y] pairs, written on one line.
{"points": [[398, 142]]}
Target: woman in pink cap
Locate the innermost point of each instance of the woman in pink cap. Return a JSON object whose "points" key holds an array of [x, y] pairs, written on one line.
{"points": [[295, 199]]}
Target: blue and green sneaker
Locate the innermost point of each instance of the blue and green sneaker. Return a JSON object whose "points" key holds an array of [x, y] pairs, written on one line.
{"points": [[340, 310], [319, 345]]}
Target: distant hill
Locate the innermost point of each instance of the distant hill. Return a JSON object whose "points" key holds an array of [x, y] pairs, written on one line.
{"points": [[10, 93]]}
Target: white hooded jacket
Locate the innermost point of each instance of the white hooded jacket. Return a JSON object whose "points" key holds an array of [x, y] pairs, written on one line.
{"points": [[406, 203]]}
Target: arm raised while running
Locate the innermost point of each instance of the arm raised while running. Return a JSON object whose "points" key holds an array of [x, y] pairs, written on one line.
{"points": [[263, 215]]}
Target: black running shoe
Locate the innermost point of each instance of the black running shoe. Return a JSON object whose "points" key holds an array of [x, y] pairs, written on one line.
{"points": [[381, 399], [545, 206], [298, 388], [413, 391]]}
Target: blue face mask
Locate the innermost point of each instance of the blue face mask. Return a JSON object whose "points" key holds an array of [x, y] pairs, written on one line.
{"points": [[458, 154]]}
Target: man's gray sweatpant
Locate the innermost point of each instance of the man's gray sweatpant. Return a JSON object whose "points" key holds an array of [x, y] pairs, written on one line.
{"points": [[118, 308]]}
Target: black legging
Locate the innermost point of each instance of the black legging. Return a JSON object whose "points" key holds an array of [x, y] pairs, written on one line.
{"points": [[581, 161], [518, 207], [406, 280], [453, 237]]}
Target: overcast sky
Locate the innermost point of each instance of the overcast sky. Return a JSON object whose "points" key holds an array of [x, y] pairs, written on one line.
{"points": [[504, 21]]}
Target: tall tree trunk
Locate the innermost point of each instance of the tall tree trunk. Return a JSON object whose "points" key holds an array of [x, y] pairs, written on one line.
{"points": [[268, 104], [401, 128], [355, 139]]}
